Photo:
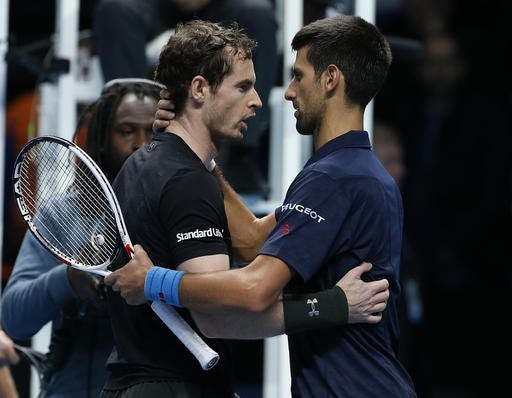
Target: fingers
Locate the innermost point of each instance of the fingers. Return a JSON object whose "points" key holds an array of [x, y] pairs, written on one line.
{"points": [[165, 94], [110, 279], [165, 104], [374, 318], [381, 297], [360, 269], [379, 308], [139, 249], [8, 354], [163, 116], [10, 357], [379, 286]]}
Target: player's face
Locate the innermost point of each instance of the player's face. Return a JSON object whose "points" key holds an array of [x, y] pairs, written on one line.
{"points": [[306, 95], [235, 101], [131, 127]]}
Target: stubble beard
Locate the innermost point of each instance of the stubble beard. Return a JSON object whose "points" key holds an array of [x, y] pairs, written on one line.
{"points": [[306, 125]]}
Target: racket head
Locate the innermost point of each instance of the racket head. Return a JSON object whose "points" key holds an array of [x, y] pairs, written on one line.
{"points": [[68, 203]]}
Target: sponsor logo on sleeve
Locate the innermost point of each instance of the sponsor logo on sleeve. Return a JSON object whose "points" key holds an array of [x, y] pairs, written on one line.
{"points": [[314, 311], [304, 210], [285, 229], [200, 233]]}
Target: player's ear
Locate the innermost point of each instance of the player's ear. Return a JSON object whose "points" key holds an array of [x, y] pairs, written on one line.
{"points": [[198, 88], [332, 77]]}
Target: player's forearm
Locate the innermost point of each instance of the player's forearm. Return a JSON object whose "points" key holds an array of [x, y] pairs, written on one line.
{"points": [[35, 292], [224, 291], [253, 288], [247, 231], [298, 313], [238, 324], [28, 305], [7, 386], [250, 295]]}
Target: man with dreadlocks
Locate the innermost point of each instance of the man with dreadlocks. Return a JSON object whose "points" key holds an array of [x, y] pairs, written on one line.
{"points": [[41, 289]]}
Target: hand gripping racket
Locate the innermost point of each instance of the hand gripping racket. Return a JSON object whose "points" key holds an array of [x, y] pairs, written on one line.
{"points": [[70, 207]]}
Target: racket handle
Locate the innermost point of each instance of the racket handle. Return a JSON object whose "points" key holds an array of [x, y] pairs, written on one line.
{"points": [[206, 357]]}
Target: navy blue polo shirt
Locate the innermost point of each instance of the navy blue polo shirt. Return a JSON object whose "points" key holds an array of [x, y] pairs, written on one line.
{"points": [[343, 208]]}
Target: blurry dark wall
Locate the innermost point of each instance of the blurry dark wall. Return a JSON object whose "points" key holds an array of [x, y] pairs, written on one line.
{"points": [[32, 21]]}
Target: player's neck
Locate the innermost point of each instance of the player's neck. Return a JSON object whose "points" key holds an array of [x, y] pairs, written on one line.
{"points": [[195, 135], [336, 123]]}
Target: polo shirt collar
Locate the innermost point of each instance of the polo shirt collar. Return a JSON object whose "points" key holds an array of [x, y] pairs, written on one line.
{"points": [[352, 139]]}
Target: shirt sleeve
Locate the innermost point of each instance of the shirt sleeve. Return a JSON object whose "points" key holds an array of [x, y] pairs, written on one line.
{"points": [[36, 291], [307, 223], [192, 209], [322, 218]]}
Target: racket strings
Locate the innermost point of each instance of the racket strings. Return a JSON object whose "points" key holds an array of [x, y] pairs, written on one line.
{"points": [[83, 203], [54, 184], [48, 217], [78, 198]]}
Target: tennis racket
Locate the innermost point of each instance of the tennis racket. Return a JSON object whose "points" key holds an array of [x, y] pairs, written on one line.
{"points": [[70, 207]]}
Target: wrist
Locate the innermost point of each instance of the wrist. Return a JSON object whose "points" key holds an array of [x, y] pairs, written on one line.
{"points": [[327, 308], [163, 284]]}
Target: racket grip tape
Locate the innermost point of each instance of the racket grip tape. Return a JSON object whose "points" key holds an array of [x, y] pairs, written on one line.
{"points": [[206, 357]]}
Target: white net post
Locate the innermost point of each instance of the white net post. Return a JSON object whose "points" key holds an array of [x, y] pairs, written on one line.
{"points": [[367, 10], [58, 116], [4, 32], [287, 157]]}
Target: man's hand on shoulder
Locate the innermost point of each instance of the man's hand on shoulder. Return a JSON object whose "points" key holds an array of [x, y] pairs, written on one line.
{"points": [[164, 113]]}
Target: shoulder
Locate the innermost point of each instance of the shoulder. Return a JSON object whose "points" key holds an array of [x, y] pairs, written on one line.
{"points": [[191, 190], [193, 182]]}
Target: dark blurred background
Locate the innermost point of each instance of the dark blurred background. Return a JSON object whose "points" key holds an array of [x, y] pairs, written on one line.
{"points": [[443, 127]]}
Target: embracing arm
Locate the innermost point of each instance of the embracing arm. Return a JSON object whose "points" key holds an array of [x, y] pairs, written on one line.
{"points": [[233, 321], [252, 289], [231, 318], [248, 232], [246, 303]]}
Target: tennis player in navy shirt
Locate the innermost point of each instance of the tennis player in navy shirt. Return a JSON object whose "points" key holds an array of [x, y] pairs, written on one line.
{"points": [[343, 208]]}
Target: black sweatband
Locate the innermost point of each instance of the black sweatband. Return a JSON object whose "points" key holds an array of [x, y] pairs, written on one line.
{"points": [[310, 311]]}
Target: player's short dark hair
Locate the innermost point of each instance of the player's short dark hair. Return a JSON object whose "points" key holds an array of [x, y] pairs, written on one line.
{"points": [[200, 48], [356, 47]]}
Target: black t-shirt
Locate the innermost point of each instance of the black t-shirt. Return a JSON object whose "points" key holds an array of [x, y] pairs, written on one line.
{"points": [[174, 208]]}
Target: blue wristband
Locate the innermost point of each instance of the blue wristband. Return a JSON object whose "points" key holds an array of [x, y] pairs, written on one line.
{"points": [[163, 284]]}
